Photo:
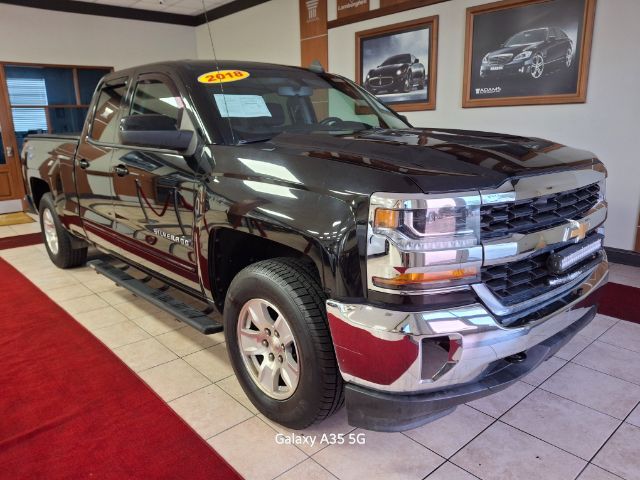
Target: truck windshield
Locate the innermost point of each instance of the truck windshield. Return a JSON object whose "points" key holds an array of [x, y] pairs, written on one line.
{"points": [[269, 102]]}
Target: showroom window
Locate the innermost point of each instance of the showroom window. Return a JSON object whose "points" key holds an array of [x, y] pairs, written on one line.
{"points": [[49, 99]]}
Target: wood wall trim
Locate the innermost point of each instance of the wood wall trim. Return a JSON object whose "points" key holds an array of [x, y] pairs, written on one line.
{"points": [[382, 11], [137, 13]]}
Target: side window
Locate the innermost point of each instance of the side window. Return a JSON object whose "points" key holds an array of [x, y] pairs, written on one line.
{"points": [[153, 96], [104, 125]]}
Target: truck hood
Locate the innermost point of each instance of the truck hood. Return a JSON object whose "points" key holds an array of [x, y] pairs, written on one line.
{"points": [[440, 159]]}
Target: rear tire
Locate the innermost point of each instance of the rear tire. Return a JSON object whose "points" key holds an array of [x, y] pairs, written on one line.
{"points": [[288, 290], [57, 240]]}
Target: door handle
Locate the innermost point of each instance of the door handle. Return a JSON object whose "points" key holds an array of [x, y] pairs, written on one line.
{"points": [[121, 170], [83, 164], [9, 151]]}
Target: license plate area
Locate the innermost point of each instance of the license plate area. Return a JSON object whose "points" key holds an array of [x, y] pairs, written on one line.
{"points": [[497, 67], [563, 260]]}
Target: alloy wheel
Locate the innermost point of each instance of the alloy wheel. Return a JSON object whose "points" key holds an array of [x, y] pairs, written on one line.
{"points": [[537, 66], [269, 349], [50, 232]]}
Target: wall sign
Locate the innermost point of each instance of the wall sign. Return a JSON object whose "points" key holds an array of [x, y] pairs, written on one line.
{"points": [[527, 52], [351, 7], [397, 63]]}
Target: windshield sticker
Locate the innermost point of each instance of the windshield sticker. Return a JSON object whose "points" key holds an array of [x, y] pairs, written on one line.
{"points": [[223, 76], [244, 106]]}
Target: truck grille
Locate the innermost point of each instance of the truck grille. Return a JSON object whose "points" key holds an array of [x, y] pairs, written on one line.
{"points": [[529, 215], [516, 282]]}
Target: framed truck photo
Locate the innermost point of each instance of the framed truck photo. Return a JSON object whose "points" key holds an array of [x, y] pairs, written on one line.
{"points": [[397, 63], [528, 52]]}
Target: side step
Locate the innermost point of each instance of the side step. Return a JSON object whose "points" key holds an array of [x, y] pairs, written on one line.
{"points": [[183, 312]]}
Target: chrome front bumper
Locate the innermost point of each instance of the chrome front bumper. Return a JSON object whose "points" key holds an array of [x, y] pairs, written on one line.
{"points": [[385, 350]]}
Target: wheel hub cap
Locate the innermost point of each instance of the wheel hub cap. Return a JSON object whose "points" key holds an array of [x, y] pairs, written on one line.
{"points": [[50, 232], [268, 348]]}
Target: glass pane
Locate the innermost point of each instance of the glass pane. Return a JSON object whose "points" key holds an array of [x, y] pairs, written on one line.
{"points": [[104, 122], [40, 86], [155, 97], [67, 120], [2, 159], [88, 80], [27, 121]]}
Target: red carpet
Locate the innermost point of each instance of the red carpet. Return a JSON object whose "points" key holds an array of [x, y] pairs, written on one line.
{"points": [[21, 240], [620, 301], [69, 408]]}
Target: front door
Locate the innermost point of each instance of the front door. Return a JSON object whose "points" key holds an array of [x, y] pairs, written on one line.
{"points": [[10, 174], [93, 166], [155, 189]]}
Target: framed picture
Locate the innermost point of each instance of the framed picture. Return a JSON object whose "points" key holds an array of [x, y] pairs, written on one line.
{"points": [[528, 52], [397, 63]]}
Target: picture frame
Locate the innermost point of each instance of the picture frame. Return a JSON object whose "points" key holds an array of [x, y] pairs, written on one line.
{"points": [[391, 63], [527, 52]]}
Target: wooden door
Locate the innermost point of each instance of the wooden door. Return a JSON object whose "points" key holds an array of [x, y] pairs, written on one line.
{"points": [[11, 186]]}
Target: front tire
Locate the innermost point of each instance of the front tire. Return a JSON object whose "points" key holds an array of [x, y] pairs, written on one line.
{"points": [[279, 343], [57, 240], [537, 66]]}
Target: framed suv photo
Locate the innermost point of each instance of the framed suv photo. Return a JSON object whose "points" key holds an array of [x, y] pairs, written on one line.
{"points": [[528, 52], [397, 63]]}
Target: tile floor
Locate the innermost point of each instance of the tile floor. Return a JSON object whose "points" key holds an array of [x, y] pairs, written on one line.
{"points": [[576, 416]]}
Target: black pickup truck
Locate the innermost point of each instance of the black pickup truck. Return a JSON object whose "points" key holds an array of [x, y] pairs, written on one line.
{"points": [[352, 257]]}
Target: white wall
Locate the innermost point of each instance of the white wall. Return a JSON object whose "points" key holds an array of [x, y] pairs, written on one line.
{"points": [[43, 36], [608, 124], [269, 32]]}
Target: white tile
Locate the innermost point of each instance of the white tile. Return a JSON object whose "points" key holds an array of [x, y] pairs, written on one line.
{"points": [[624, 274], [634, 418], [173, 379], [233, 388], [307, 470], [83, 304], [612, 360], [210, 410], [99, 318], [66, 293], [620, 453], [599, 325], [623, 334], [117, 295], [576, 345], [100, 284], [335, 424], [138, 308], [448, 434], [594, 389], [264, 459], [144, 354], [449, 471], [120, 334], [498, 403], [596, 473], [544, 371], [212, 362], [158, 324], [386, 456], [187, 340], [562, 422], [503, 452]]}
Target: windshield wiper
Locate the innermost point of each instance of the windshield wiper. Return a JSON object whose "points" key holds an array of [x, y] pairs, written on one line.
{"points": [[254, 140]]}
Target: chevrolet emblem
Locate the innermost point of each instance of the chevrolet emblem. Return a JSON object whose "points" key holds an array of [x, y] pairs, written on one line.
{"points": [[579, 231]]}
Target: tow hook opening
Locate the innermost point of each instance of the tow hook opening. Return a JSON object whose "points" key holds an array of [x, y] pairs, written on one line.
{"points": [[517, 357]]}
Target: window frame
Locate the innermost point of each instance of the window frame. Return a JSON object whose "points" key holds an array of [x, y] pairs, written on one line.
{"points": [[91, 114], [166, 80]]}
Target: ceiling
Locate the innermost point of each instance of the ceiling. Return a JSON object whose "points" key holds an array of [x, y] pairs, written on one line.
{"points": [[181, 7]]}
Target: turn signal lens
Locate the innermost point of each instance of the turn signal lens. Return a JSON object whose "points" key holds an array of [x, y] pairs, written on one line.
{"points": [[408, 280], [385, 218]]}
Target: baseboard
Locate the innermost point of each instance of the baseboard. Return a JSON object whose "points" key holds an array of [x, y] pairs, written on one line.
{"points": [[625, 257]]}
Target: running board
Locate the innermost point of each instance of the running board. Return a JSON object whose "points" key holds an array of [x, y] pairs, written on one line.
{"points": [[158, 297]]}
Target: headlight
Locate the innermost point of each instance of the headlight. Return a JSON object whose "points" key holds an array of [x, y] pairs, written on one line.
{"points": [[486, 58], [523, 55], [399, 71], [433, 241], [368, 75]]}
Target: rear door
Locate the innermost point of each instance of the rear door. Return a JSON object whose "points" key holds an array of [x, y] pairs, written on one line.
{"points": [[155, 188], [93, 164]]}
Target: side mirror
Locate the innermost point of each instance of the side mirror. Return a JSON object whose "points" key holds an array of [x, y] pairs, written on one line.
{"points": [[155, 131], [404, 118], [415, 60]]}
